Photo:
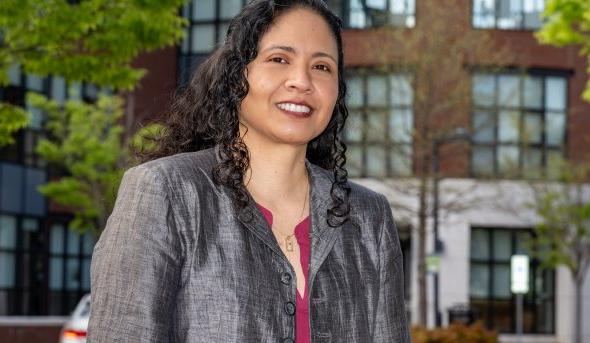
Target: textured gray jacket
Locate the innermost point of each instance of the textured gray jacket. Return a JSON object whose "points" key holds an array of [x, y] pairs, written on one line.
{"points": [[177, 263]]}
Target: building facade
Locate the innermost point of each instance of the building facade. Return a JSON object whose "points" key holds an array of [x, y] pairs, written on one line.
{"points": [[524, 114]]}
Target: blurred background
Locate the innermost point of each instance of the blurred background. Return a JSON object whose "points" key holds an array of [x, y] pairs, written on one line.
{"points": [[471, 116]]}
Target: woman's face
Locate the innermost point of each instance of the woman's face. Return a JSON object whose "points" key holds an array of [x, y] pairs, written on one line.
{"points": [[293, 82]]}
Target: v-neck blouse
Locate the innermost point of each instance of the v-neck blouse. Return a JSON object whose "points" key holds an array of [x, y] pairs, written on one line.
{"points": [[302, 330]]}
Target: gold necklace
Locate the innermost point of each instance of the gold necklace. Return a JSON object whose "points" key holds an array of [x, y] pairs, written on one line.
{"points": [[289, 239]]}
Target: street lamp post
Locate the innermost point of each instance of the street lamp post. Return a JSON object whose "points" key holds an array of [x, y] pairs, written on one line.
{"points": [[438, 248]]}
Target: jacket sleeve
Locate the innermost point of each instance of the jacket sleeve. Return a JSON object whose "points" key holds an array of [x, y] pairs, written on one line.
{"points": [[136, 265], [390, 320]]}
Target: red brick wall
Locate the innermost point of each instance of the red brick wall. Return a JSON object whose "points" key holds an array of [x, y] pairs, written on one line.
{"points": [[29, 334]]}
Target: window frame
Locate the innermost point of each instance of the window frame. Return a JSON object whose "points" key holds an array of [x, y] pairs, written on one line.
{"points": [[521, 27], [345, 10]]}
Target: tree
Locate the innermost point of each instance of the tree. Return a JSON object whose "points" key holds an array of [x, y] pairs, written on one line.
{"points": [[564, 229], [568, 23], [91, 41], [438, 54]]}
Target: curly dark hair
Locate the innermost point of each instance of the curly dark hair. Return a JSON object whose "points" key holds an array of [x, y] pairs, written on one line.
{"points": [[205, 113]]}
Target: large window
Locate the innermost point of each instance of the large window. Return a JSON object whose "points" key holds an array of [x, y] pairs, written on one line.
{"points": [[508, 14], [380, 124], [209, 20], [489, 282], [373, 13], [519, 123]]}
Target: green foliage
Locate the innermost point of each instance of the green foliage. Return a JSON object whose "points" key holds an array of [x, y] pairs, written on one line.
{"points": [[454, 333], [92, 41], [86, 142], [568, 22]]}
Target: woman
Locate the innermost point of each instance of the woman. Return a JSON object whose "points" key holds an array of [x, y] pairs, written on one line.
{"points": [[247, 229]]}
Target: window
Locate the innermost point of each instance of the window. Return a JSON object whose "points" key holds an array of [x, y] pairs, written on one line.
{"points": [[373, 13], [379, 128], [55, 87], [489, 282], [69, 267], [508, 14], [519, 123], [209, 21]]}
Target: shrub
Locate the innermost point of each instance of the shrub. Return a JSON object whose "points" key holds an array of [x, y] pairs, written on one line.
{"points": [[455, 333]]}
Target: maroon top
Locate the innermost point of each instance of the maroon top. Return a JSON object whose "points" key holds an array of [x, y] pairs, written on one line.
{"points": [[302, 332]]}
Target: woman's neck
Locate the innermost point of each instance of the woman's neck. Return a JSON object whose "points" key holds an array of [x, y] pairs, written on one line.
{"points": [[277, 175]]}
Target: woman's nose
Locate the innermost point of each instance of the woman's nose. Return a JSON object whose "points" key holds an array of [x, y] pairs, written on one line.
{"points": [[299, 79]]}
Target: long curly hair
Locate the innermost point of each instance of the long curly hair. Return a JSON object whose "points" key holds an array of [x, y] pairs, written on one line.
{"points": [[205, 113]]}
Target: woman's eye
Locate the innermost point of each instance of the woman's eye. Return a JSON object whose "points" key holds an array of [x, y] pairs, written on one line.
{"points": [[279, 60], [323, 67]]}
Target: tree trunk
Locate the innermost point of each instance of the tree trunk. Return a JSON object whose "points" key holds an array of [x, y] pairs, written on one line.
{"points": [[578, 281], [422, 294]]}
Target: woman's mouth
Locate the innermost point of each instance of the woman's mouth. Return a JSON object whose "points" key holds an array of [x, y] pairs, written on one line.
{"points": [[296, 110]]}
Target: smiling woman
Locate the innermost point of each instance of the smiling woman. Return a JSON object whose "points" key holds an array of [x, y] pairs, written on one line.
{"points": [[242, 225]]}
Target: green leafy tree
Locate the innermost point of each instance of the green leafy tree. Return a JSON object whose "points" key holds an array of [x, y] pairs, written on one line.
{"points": [[568, 22], [92, 41], [564, 229], [87, 143]]}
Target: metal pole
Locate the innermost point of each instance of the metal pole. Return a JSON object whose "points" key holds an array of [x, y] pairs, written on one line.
{"points": [[519, 317], [436, 168]]}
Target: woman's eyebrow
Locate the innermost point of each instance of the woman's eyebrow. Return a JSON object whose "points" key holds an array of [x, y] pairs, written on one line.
{"points": [[292, 50]]}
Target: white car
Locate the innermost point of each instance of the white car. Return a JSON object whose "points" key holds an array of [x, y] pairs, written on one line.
{"points": [[74, 330]]}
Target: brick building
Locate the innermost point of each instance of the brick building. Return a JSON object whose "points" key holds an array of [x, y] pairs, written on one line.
{"points": [[44, 268]]}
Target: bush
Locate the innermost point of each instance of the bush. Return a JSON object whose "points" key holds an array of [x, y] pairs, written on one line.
{"points": [[455, 333]]}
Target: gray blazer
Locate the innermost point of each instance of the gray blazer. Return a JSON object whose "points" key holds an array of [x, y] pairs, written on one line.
{"points": [[177, 263]]}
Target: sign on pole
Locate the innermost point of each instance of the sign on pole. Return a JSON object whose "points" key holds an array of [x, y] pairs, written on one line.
{"points": [[519, 265]]}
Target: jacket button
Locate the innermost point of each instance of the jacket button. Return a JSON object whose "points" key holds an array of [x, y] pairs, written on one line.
{"points": [[288, 340], [286, 278], [290, 308]]}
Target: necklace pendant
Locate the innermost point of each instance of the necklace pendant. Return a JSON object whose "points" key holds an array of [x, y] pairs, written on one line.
{"points": [[289, 244]]}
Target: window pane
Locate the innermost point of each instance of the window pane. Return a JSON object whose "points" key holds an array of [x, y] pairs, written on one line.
{"points": [[483, 160], [7, 270], [91, 91], [86, 274], [14, 74], [35, 117], [533, 162], [7, 232], [502, 245], [34, 201], [12, 187], [533, 128], [354, 127], [523, 243], [401, 125], [401, 160], [480, 248], [73, 243], [484, 12], [377, 90], [508, 123], [402, 13], [509, 14], [533, 92], [56, 272], [203, 38], [509, 88], [355, 92], [72, 274], [555, 159], [357, 15], [508, 158], [354, 160], [483, 126], [56, 245], [376, 161], [75, 91], [204, 9], [555, 93], [88, 243], [479, 281], [184, 46], [532, 13], [555, 128], [376, 127], [34, 83], [222, 32], [484, 90], [502, 281], [401, 90], [229, 8], [58, 89]]}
